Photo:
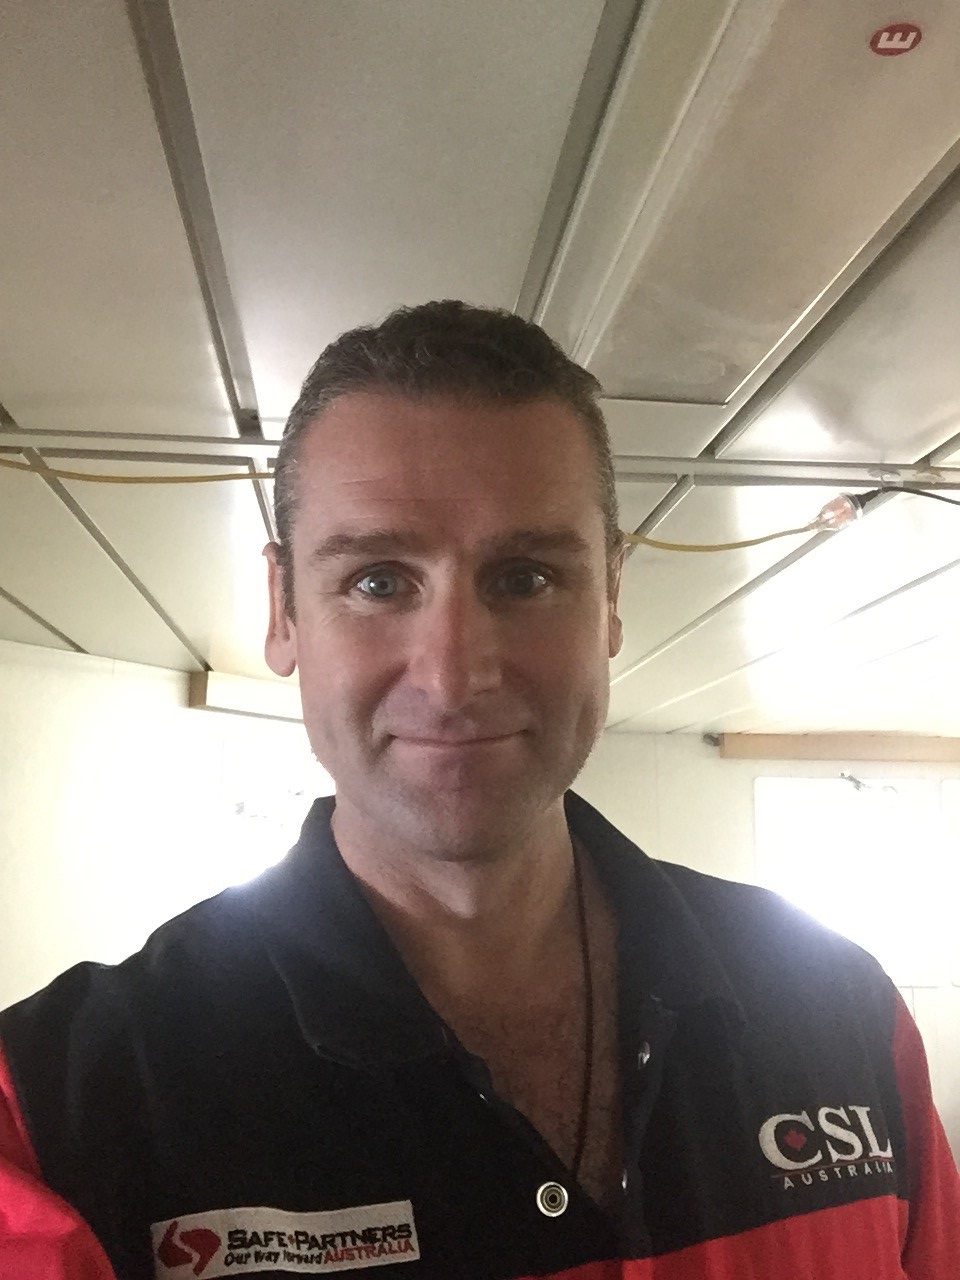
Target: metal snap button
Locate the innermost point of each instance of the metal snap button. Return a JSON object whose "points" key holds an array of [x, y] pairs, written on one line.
{"points": [[552, 1199], [643, 1057]]}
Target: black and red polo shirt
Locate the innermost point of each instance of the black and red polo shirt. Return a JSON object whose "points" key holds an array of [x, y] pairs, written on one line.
{"points": [[263, 1090]]}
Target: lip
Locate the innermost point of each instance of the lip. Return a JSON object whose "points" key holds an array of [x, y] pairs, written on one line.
{"points": [[456, 743]]}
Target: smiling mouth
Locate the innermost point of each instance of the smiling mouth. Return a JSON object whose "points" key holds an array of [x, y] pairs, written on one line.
{"points": [[451, 743]]}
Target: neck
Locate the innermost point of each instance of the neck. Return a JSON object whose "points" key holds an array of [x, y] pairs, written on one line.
{"points": [[471, 931]]}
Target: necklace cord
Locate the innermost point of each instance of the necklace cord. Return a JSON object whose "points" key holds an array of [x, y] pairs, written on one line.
{"points": [[587, 1017]]}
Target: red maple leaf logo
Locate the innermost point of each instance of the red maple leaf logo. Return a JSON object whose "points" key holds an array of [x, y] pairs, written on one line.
{"points": [[201, 1245], [796, 1139]]}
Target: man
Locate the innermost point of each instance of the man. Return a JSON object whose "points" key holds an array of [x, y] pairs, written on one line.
{"points": [[467, 1029]]}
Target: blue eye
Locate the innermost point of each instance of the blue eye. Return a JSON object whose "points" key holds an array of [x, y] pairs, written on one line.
{"points": [[380, 584], [523, 580]]}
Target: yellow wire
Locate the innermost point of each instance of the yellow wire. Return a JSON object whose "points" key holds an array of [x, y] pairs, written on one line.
{"points": [[640, 540], [637, 539], [209, 478]]}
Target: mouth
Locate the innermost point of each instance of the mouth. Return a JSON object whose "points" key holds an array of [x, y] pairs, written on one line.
{"points": [[456, 743]]}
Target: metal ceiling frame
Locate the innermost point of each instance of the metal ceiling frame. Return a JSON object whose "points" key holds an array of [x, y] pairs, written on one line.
{"points": [[942, 201], [152, 24], [156, 40], [40, 621], [932, 200], [858, 612], [941, 193], [113, 555], [614, 32], [859, 276], [214, 451]]}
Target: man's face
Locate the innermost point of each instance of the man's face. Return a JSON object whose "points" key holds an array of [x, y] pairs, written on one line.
{"points": [[453, 620]]}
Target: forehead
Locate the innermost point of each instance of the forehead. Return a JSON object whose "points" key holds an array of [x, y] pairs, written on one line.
{"points": [[371, 457]]}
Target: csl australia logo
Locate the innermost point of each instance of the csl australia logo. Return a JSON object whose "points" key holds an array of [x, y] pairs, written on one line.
{"points": [[829, 1144]]}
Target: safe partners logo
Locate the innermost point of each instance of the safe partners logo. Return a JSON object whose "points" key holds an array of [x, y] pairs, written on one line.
{"points": [[240, 1242]]}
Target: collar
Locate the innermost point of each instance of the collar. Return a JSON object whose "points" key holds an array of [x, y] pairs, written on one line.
{"points": [[357, 1003]]}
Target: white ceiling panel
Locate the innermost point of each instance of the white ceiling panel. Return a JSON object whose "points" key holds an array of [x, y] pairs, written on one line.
{"points": [[638, 500], [896, 545], [102, 320], [666, 590], [197, 549], [660, 429], [363, 154], [825, 675], [669, 51], [19, 626], [909, 691], [692, 719], [886, 385], [50, 563], [759, 173], [889, 701]]}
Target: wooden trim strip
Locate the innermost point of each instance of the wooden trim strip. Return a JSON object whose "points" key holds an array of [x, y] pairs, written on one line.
{"points": [[882, 747]]}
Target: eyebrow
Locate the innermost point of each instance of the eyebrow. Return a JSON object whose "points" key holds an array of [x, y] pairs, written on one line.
{"points": [[391, 542]]}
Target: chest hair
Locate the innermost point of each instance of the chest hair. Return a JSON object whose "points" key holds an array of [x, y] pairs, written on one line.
{"points": [[535, 1049]]}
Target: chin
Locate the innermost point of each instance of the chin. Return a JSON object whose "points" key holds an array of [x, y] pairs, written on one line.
{"points": [[466, 825]]}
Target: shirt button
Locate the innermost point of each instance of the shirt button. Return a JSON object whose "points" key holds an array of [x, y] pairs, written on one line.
{"points": [[552, 1199], [643, 1057]]}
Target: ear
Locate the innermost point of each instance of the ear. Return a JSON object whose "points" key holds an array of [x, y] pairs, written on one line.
{"points": [[614, 624], [280, 648]]}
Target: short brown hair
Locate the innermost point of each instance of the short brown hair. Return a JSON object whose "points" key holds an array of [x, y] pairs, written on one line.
{"points": [[452, 349]]}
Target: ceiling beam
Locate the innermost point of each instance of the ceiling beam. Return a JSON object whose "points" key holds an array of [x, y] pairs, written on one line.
{"points": [[25, 609], [224, 451], [745, 471], [139, 446], [156, 39], [616, 25]]}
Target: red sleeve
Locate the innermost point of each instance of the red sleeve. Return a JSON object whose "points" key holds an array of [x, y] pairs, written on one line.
{"points": [[931, 1241], [41, 1236]]}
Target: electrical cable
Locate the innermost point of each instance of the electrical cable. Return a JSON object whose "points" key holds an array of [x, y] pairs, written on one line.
{"points": [[836, 515], [641, 540], [921, 493], [97, 478]]}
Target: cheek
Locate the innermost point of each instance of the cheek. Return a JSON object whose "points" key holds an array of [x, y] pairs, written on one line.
{"points": [[343, 666], [567, 651]]}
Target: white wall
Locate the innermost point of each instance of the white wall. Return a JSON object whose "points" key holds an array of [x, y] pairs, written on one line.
{"points": [[679, 801], [118, 806], [118, 809]]}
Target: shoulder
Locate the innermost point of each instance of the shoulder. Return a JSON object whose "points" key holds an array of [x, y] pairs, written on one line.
{"points": [[742, 916], [95, 1056], [770, 949], [93, 1013], [771, 953]]}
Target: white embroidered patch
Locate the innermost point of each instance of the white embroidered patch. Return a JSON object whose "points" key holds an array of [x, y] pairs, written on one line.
{"points": [[239, 1242]]}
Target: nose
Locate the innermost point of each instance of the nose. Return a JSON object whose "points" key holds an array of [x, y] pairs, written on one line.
{"points": [[455, 653]]}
